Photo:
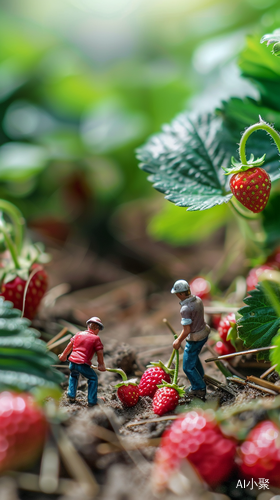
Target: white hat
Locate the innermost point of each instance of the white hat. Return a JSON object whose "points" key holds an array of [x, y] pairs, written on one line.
{"points": [[96, 320], [180, 286]]}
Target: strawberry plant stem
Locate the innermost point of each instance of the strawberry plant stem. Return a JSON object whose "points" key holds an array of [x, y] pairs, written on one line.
{"points": [[257, 126], [17, 220], [115, 370], [9, 243]]}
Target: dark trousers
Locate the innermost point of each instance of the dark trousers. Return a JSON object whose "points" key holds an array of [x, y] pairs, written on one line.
{"points": [[192, 365], [87, 372]]}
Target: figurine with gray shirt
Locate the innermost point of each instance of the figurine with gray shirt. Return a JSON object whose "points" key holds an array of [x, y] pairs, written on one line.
{"points": [[196, 332]]}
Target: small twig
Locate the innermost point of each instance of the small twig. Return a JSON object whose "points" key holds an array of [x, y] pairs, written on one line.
{"points": [[58, 336], [153, 420], [237, 380], [217, 383], [264, 383], [267, 372], [240, 353], [258, 387], [262, 389], [59, 342]]}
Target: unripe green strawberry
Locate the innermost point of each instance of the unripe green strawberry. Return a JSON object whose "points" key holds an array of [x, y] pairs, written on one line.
{"points": [[251, 188], [23, 428]]}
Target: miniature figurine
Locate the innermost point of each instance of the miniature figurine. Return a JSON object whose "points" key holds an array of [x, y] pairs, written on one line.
{"points": [[82, 348], [196, 332]]}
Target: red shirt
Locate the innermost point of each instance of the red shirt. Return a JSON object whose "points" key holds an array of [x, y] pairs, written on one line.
{"points": [[85, 345]]}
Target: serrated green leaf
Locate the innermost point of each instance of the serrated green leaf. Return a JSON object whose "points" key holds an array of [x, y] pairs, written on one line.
{"points": [[262, 68], [185, 161], [275, 353], [273, 38], [240, 113], [259, 322], [25, 362], [13, 326]]}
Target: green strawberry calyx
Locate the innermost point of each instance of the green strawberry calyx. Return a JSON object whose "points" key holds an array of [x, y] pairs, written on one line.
{"points": [[180, 390], [160, 364], [238, 167], [132, 381], [22, 266]]}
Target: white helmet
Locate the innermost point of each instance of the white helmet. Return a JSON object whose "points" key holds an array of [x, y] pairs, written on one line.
{"points": [[180, 286], [96, 320]]}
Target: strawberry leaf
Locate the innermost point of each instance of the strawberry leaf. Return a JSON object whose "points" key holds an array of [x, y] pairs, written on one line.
{"points": [[259, 322], [273, 38], [275, 353], [185, 161], [25, 362]]}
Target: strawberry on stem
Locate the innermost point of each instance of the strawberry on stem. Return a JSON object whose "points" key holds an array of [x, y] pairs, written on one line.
{"points": [[251, 188], [128, 391], [167, 396], [23, 280]]}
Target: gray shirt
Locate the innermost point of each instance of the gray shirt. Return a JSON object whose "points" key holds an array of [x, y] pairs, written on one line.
{"points": [[192, 312]]}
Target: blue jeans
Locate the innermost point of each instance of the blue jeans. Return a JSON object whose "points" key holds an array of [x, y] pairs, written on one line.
{"points": [[87, 372], [192, 365]]}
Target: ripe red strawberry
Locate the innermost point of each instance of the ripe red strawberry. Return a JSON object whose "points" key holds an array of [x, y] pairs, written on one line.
{"points": [[201, 288], [260, 453], [223, 348], [150, 379], [164, 400], [225, 325], [196, 437], [253, 276], [128, 394], [251, 188], [23, 428], [14, 291]]}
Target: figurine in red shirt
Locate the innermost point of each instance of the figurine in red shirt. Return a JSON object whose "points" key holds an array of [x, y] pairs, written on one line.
{"points": [[82, 348]]}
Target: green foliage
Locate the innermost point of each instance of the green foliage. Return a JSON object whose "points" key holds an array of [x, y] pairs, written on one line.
{"points": [[273, 38], [25, 363], [185, 161], [270, 221], [275, 353], [259, 321], [180, 228]]}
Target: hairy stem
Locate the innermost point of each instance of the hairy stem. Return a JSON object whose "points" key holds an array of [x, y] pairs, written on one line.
{"points": [[257, 126]]}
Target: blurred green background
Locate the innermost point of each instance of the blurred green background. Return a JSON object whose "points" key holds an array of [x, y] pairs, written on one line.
{"points": [[83, 83]]}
